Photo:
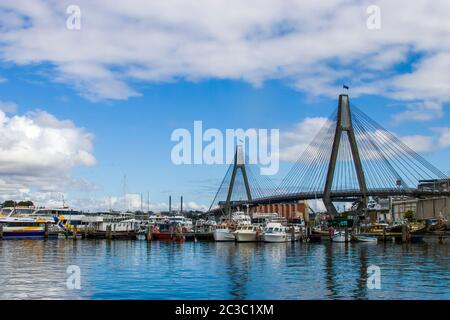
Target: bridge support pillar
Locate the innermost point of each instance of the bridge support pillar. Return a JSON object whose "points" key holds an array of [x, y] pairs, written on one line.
{"points": [[239, 164], [344, 124]]}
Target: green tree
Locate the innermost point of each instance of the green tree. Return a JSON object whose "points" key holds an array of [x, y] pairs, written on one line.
{"points": [[26, 203], [9, 203], [409, 215]]}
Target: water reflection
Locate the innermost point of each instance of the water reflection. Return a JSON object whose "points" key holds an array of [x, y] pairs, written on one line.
{"points": [[36, 269]]}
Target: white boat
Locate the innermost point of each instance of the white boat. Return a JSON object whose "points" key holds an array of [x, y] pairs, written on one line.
{"points": [[246, 233], [116, 223], [276, 232], [339, 236], [362, 238], [223, 233], [225, 230]]}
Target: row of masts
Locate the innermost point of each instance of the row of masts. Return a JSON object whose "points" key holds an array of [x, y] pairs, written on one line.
{"points": [[148, 203], [142, 199]]}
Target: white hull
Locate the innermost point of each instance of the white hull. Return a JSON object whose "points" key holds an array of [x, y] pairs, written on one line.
{"points": [[223, 236], [280, 237], [366, 239], [246, 237], [340, 237]]}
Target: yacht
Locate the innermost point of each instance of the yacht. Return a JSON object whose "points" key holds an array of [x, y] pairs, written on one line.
{"points": [[276, 232], [247, 233]]}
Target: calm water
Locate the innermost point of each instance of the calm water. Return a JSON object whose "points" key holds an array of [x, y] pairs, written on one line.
{"points": [[36, 269]]}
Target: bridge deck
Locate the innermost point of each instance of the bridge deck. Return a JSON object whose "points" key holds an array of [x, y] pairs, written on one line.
{"points": [[342, 196]]}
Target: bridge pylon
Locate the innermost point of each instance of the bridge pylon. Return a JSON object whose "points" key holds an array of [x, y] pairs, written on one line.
{"points": [[238, 164], [344, 124]]}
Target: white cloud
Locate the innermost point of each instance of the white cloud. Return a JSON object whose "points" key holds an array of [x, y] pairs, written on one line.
{"points": [[8, 106], [131, 202], [444, 137], [295, 141], [39, 151], [315, 46], [419, 143], [422, 111]]}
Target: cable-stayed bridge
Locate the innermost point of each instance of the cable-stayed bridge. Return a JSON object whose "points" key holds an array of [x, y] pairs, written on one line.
{"points": [[351, 158]]}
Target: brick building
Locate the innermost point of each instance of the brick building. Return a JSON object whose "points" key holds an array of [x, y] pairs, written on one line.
{"points": [[297, 210]]}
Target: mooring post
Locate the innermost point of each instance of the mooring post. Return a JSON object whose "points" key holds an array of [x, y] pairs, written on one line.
{"points": [[46, 230], [404, 233], [1, 232], [149, 233], [109, 232], [85, 230], [346, 234], [75, 231], [292, 234], [384, 233]]}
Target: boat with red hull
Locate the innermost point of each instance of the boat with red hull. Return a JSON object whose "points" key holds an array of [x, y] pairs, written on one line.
{"points": [[169, 232]]}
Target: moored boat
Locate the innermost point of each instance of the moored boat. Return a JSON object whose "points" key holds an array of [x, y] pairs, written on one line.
{"points": [[25, 228], [223, 232], [276, 232], [365, 238], [247, 233], [339, 236], [169, 231]]}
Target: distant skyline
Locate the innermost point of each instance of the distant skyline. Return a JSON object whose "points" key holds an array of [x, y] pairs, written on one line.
{"points": [[80, 109]]}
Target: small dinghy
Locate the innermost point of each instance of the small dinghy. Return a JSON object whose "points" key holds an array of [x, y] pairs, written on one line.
{"points": [[361, 238]]}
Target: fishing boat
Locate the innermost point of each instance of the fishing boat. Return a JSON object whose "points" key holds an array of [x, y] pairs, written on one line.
{"points": [[223, 232], [276, 232], [169, 231], [339, 236], [247, 233]]}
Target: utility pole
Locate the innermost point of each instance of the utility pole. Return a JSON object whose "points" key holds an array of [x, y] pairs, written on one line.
{"points": [[181, 205], [125, 192]]}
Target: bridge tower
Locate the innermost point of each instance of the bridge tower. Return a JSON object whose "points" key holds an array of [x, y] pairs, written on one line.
{"points": [[344, 124], [238, 164]]}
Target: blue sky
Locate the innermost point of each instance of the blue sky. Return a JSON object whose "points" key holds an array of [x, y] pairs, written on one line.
{"points": [[124, 85]]}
